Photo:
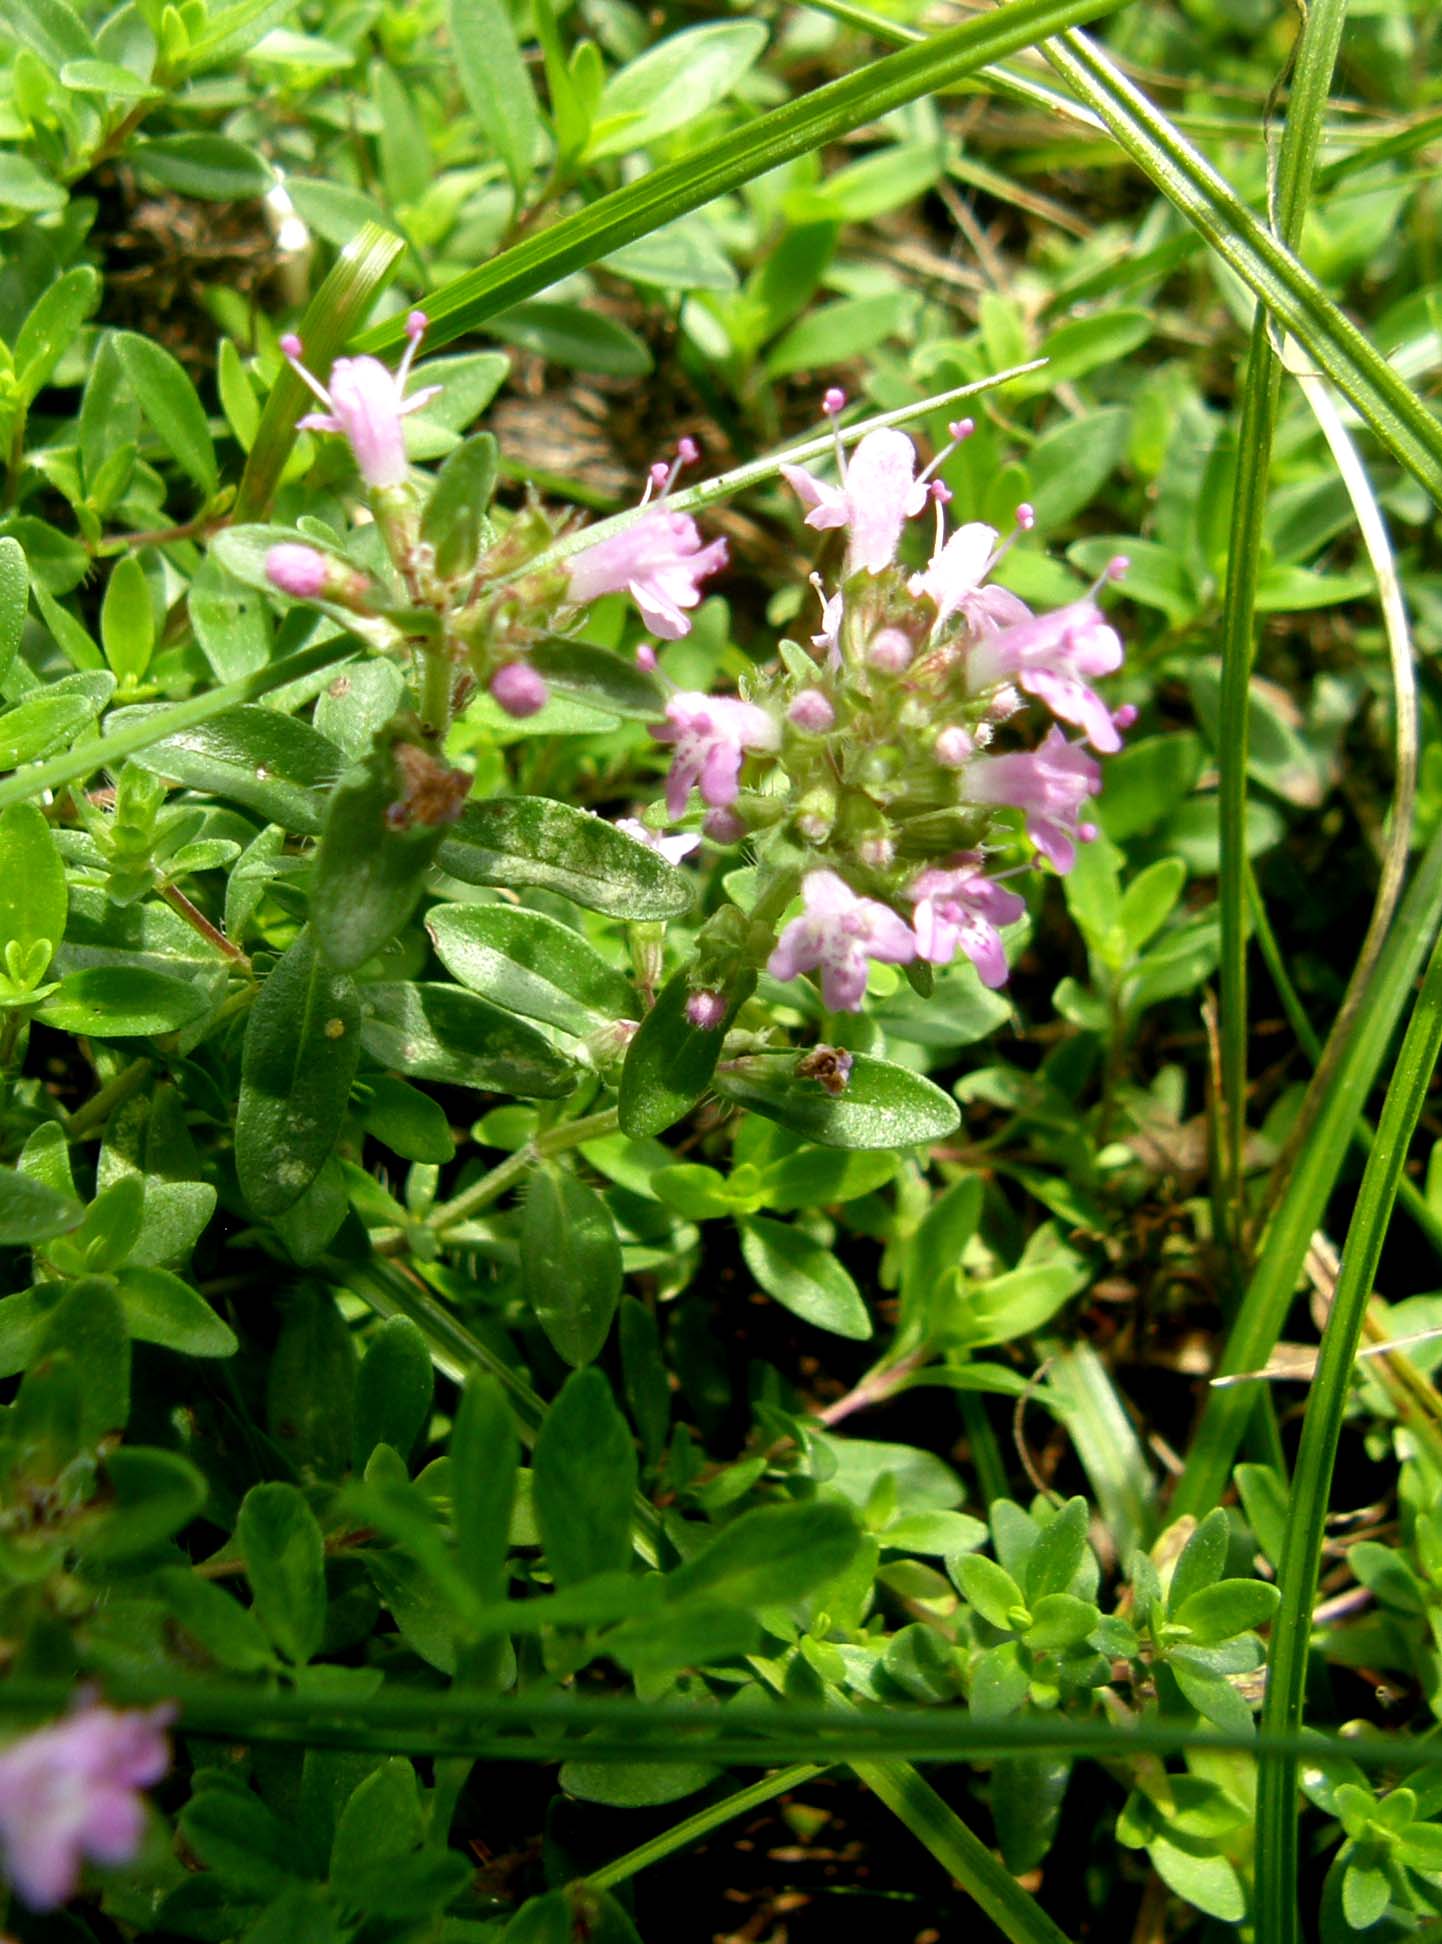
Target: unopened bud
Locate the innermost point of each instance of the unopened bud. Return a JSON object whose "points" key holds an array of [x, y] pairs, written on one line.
{"points": [[891, 651], [723, 826], [954, 747], [299, 571], [518, 689], [812, 711]]}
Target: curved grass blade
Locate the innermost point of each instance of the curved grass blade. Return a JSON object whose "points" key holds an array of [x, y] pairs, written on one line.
{"points": [[1276, 1912]]}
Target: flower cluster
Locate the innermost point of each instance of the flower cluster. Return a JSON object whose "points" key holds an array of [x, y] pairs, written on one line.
{"points": [[876, 772], [71, 1792], [877, 757]]}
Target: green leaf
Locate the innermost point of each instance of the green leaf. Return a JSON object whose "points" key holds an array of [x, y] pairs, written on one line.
{"points": [[52, 720], [565, 334], [583, 1478], [496, 83], [231, 624], [438, 1032], [485, 1455], [284, 1554], [395, 1388], [127, 621], [990, 1589], [453, 519], [168, 400], [369, 874], [772, 1555], [1231, 1606], [109, 79], [644, 1376], [302, 1042], [804, 1277], [596, 675], [160, 1308], [32, 893], [408, 1121], [881, 1106], [248, 1848], [215, 1620], [670, 1063], [209, 166], [530, 964], [267, 761], [673, 84], [310, 1386], [51, 329], [14, 591], [53, 29], [570, 1262], [1053, 1562], [27, 188], [88, 1326], [154, 1493], [532, 841], [382, 1821], [30, 1212], [1202, 1559], [123, 1002]]}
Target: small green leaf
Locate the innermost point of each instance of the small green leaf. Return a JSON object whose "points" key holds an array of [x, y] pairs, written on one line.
{"points": [[1202, 1560], [1231, 1606], [673, 84], [485, 1454], [108, 79], [154, 1494], [170, 404], [127, 621], [881, 1105], [990, 1589], [804, 1277], [438, 1032], [530, 964], [88, 1326], [160, 1308], [772, 1555], [583, 340], [209, 166], [408, 1121], [453, 520], [583, 1478], [302, 1042], [395, 1388], [255, 756], [570, 1263], [520, 841], [1053, 1562], [285, 1562], [30, 1212], [596, 675], [51, 327], [310, 1386], [14, 591], [496, 84], [32, 889], [369, 874], [53, 718], [123, 1002]]}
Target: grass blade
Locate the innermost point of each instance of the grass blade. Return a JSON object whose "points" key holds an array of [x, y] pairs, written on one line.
{"points": [[1276, 1912]]}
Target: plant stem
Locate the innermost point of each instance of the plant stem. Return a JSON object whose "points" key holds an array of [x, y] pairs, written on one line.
{"points": [[212, 934], [682, 1834], [493, 1185], [93, 1112]]}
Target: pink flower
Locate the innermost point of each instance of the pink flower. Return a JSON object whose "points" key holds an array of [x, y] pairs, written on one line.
{"points": [[711, 734], [660, 562], [1051, 656], [673, 849], [518, 689], [70, 1791], [706, 1010], [837, 933], [296, 570], [366, 403], [876, 497], [1050, 784], [812, 712], [956, 569], [959, 908]]}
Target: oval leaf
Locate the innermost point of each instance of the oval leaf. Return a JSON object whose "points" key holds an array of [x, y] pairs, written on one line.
{"points": [[570, 1263], [530, 964], [517, 841], [881, 1106], [440, 1033], [804, 1277]]}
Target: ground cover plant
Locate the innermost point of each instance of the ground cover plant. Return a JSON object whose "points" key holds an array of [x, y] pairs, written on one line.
{"points": [[720, 860]]}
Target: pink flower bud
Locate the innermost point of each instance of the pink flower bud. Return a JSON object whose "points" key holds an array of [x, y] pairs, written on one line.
{"points": [[812, 712], [706, 1010], [296, 570], [723, 826], [954, 747], [518, 689], [891, 651]]}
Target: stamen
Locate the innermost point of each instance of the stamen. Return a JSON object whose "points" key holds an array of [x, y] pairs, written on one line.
{"points": [[415, 330], [1115, 568], [1025, 521], [960, 430], [291, 348], [833, 404]]}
